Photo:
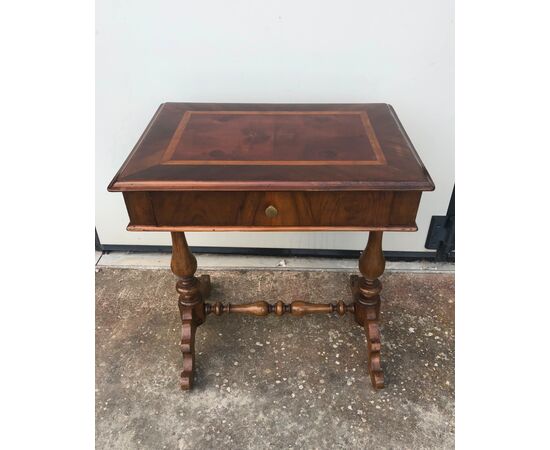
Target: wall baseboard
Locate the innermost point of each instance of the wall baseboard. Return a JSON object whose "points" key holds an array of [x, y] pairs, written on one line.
{"points": [[280, 252]]}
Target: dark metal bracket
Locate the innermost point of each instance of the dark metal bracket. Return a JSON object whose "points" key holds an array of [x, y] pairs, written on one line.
{"points": [[98, 246], [441, 234]]}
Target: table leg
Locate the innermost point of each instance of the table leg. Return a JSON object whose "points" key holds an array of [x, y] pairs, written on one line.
{"points": [[191, 292], [366, 294]]}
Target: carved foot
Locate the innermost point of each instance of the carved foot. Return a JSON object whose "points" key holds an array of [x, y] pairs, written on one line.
{"points": [[373, 355], [189, 324], [367, 315]]}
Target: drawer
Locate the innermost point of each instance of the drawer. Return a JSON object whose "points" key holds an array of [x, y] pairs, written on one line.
{"points": [[267, 210]]}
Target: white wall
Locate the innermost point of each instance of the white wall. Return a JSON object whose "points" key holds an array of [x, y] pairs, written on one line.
{"points": [[399, 52]]}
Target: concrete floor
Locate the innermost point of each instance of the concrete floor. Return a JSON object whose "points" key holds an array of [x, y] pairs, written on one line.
{"points": [[285, 383]]}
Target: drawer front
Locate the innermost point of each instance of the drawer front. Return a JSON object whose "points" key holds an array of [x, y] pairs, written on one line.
{"points": [[310, 210]]}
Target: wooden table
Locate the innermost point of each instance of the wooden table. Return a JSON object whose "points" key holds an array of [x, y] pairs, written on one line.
{"points": [[256, 167]]}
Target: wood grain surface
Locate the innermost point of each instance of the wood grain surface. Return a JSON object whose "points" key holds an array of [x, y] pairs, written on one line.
{"points": [[270, 147], [206, 210]]}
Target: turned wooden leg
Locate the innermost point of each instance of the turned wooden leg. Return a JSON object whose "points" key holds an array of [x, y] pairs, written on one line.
{"points": [[191, 292], [366, 294]]}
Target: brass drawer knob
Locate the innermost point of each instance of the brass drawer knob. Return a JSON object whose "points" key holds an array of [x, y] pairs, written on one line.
{"points": [[271, 211]]}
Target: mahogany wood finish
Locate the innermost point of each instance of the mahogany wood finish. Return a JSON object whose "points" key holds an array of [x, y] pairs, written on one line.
{"points": [[190, 302], [366, 293], [273, 147], [215, 167], [296, 308], [173, 211]]}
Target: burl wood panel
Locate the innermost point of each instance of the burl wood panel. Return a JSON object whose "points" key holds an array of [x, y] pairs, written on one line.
{"points": [[277, 147], [177, 211], [277, 138]]}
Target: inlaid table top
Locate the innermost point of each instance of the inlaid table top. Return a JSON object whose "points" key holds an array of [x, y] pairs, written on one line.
{"points": [[273, 147]]}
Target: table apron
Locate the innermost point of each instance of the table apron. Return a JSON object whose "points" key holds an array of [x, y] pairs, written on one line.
{"points": [[272, 210]]}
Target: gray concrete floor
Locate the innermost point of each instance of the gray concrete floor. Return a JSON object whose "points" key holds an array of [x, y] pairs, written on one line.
{"points": [[273, 382]]}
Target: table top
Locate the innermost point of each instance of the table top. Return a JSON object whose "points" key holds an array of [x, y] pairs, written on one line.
{"points": [[273, 147]]}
